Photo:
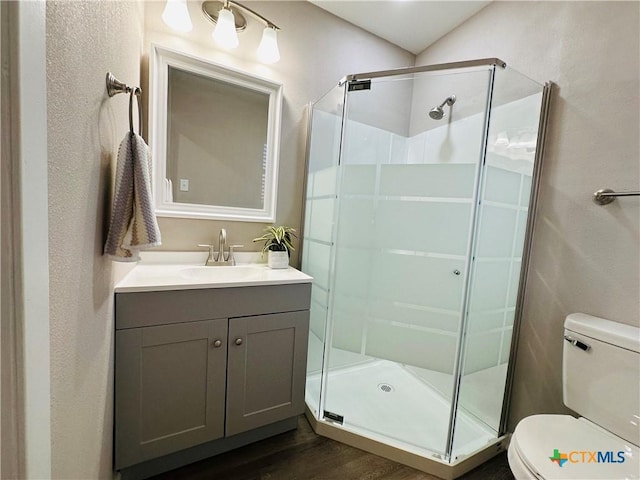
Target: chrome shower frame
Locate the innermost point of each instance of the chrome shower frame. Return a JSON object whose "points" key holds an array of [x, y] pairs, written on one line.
{"points": [[547, 93], [444, 466], [481, 62]]}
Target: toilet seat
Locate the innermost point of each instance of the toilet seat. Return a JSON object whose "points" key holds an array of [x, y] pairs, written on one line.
{"points": [[537, 437], [518, 468]]}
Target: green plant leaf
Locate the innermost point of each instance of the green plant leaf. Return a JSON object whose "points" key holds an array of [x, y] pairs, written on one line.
{"points": [[277, 238]]}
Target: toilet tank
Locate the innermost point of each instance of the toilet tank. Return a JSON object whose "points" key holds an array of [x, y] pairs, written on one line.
{"points": [[601, 373]]}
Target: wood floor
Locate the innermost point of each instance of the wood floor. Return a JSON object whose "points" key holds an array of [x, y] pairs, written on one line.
{"points": [[303, 455]]}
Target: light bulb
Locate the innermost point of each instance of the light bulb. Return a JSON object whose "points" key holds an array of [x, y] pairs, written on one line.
{"points": [[268, 49], [176, 15], [225, 33]]}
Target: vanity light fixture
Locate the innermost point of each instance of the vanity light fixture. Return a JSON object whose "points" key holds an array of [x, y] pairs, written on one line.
{"points": [[268, 49], [225, 33], [176, 15], [227, 15]]}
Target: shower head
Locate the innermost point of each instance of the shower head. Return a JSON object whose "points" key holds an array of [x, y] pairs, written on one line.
{"points": [[437, 113]]}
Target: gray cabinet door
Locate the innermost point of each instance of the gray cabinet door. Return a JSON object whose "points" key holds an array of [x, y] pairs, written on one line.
{"points": [[266, 369], [170, 388]]}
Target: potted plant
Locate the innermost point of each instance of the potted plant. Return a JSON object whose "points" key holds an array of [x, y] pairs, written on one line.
{"points": [[278, 244]]}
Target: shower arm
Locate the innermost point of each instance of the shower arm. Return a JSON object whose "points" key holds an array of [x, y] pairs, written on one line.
{"points": [[450, 100]]}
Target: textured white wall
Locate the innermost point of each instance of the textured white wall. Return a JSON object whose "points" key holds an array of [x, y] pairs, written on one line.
{"points": [[317, 49], [585, 257], [84, 41]]}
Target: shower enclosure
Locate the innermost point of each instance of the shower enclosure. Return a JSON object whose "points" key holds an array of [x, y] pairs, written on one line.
{"points": [[419, 190]]}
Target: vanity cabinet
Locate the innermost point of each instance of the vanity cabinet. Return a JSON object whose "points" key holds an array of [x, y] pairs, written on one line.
{"points": [[170, 388], [207, 365], [266, 369]]}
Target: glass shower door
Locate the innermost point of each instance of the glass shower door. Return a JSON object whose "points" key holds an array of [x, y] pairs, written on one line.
{"points": [[506, 186], [317, 249], [404, 215]]}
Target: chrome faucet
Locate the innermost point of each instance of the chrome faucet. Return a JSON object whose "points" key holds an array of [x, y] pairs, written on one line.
{"points": [[222, 242], [214, 260]]}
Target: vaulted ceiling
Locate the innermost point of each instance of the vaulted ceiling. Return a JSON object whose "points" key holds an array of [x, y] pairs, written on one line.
{"points": [[410, 24]]}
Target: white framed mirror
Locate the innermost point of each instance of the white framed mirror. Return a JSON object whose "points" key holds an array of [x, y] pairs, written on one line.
{"points": [[214, 136]]}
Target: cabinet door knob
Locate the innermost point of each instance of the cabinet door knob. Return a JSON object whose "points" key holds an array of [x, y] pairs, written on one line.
{"points": [[238, 341], [216, 344]]}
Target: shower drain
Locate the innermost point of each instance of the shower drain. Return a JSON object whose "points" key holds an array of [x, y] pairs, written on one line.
{"points": [[386, 388]]}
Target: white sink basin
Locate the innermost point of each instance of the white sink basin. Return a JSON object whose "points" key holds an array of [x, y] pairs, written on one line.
{"points": [[223, 274], [180, 276]]}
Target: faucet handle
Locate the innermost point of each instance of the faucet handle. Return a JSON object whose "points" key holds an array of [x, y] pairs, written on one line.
{"points": [[210, 258], [231, 258]]}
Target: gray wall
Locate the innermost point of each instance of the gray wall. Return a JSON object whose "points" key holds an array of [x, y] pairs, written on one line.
{"points": [[317, 49], [585, 258], [84, 41]]}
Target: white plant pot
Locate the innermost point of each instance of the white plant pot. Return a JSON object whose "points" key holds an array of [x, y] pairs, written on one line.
{"points": [[277, 259]]}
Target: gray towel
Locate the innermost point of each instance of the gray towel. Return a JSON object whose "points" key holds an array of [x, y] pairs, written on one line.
{"points": [[133, 223]]}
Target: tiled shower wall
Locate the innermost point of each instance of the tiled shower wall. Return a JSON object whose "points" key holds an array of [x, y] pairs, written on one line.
{"points": [[403, 229]]}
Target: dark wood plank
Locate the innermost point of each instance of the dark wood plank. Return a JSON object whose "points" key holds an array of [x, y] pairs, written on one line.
{"points": [[303, 455], [495, 469]]}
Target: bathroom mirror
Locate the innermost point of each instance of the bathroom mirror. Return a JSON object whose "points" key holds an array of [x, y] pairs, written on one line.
{"points": [[214, 135]]}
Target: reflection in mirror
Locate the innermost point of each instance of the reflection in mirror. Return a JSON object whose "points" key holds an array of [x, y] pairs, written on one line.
{"points": [[216, 141], [215, 138]]}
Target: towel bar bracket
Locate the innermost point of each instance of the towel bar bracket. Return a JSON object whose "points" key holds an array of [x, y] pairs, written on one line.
{"points": [[605, 196], [115, 86]]}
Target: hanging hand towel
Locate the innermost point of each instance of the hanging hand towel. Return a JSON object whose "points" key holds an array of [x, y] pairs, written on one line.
{"points": [[133, 223]]}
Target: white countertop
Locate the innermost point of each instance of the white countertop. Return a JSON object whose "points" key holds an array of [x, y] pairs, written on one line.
{"points": [[185, 270]]}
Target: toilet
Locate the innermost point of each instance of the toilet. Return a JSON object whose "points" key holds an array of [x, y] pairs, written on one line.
{"points": [[601, 382]]}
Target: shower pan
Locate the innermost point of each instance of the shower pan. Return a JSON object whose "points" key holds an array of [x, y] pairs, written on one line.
{"points": [[417, 222]]}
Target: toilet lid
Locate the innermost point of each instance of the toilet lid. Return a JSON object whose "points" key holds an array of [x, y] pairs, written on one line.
{"points": [[564, 447]]}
